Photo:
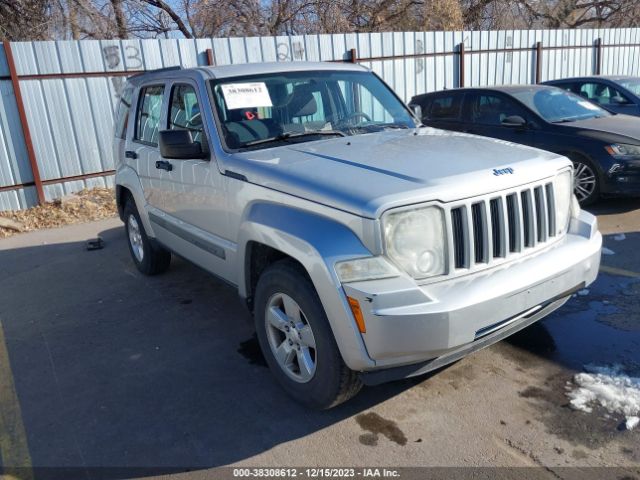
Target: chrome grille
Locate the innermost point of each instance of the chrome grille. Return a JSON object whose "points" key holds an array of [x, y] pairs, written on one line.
{"points": [[502, 226]]}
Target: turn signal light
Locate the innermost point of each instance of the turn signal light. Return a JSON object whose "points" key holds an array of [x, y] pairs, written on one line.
{"points": [[357, 314]]}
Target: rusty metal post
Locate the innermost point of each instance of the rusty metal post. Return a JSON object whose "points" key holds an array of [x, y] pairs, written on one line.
{"points": [[15, 81], [461, 65], [598, 56], [353, 55], [538, 62], [210, 59]]}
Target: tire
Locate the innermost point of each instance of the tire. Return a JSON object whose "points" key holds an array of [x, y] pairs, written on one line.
{"points": [[149, 258], [326, 381], [586, 181]]}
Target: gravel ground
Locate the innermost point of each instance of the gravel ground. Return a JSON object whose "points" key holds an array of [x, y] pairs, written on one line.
{"points": [[84, 206]]}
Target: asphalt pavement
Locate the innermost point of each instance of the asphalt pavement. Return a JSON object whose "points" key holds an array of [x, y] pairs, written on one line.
{"points": [[105, 373]]}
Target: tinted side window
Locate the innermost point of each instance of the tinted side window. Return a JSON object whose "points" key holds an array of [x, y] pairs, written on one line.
{"points": [[148, 115], [599, 93], [122, 117], [184, 112], [493, 109], [446, 107]]}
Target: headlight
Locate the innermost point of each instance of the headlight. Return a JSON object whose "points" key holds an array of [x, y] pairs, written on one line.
{"points": [[415, 241], [369, 268], [563, 193], [575, 207], [623, 150]]}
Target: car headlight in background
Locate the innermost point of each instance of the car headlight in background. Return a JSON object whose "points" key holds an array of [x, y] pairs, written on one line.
{"points": [[623, 150], [563, 195], [415, 241], [368, 268]]}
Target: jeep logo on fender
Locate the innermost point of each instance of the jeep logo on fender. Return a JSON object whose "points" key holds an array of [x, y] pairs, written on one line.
{"points": [[502, 171]]}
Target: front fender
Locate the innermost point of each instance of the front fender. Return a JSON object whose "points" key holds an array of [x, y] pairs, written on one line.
{"points": [[128, 178], [317, 242]]}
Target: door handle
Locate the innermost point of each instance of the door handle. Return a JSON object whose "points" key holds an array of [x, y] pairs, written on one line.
{"points": [[130, 154], [164, 165]]}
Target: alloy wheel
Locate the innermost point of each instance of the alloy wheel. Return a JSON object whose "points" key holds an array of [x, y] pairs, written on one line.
{"points": [[135, 238], [290, 338], [584, 181]]}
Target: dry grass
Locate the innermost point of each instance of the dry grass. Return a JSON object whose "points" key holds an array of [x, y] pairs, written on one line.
{"points": [[84, 206]]}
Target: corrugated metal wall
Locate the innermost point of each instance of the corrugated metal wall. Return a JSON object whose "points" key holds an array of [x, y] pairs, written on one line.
{"points": [[70, 89]]}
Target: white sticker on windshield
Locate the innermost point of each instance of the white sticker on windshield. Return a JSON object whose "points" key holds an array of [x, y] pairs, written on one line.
{"points": [[246, 95], [588, 105]]}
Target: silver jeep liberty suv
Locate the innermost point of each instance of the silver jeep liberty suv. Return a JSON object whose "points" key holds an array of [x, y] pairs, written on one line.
{"points": [[368, 247]]}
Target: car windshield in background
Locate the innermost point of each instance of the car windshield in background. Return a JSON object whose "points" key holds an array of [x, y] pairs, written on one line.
{"points": [[558, 106], [262, 111], [631, 84]]}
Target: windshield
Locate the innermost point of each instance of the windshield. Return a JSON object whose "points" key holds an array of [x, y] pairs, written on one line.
{"points": [[631, 84], [261, 111], [555, 105]]}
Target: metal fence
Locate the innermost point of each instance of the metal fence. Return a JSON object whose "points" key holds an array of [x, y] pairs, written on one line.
{"points": [[58, 98]]}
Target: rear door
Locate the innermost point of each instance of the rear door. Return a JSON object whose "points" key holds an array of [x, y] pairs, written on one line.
{"points": [[443, 110], [142, 148], [484, 113]]}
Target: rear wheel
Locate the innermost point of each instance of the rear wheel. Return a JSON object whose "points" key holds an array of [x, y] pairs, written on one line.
{"points": [[150, 259], [297, 341], [586, 183]]}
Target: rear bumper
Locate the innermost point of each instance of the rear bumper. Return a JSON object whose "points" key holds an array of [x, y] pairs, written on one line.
{"points": [[422, 328]]}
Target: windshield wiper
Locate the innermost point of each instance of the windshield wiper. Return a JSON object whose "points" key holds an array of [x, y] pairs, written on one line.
{"points": [[564, 120], [283, 137], [394, 125]]}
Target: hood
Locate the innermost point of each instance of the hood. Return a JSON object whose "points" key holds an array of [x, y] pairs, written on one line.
{"points": [[367, 174], [616, 128]]}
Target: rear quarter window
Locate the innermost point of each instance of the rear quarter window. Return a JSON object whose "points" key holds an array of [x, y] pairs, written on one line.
{"points": [[122, 114]]}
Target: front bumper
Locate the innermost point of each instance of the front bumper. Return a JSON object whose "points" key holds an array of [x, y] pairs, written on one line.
{"points": [[407, 324], [622, 178]]}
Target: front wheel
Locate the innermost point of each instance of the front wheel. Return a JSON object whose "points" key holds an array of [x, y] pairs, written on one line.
{"points": [[586, 185], [297, 341]]}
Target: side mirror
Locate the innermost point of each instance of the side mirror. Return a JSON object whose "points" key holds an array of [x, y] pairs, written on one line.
{"points": [[417, 110], [514, 121], [618, 100], [179, 145]]}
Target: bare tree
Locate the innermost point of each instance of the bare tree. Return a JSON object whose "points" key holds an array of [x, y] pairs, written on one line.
{"points": [[25, 19], [101, 19], [165, 8]]}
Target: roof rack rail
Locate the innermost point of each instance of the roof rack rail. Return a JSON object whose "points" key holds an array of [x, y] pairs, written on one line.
{"points": [[165, 69]]}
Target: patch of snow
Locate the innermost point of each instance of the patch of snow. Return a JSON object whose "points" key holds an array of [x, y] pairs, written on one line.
{"points": [[583, 292], [619, 237], [608, 387], [606, 251]]}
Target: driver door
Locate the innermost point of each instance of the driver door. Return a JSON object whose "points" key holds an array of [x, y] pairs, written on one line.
{"points": [[485, 113], [193, 203], [607, 97]]}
